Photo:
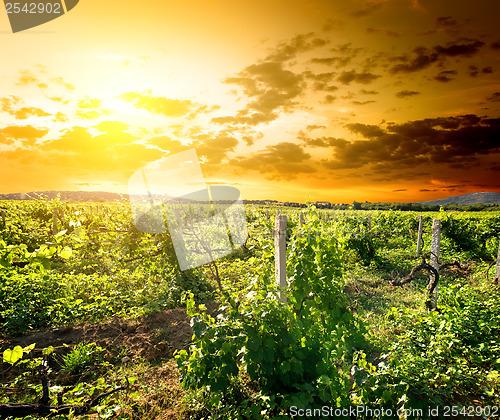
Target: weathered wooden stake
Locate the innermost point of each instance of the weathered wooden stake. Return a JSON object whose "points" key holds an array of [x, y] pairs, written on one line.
{"points": [[280, 254], [301, 219], [2, 214], [497, 271], [419, 238], [435, 245], [369, 223], [54, 221]]}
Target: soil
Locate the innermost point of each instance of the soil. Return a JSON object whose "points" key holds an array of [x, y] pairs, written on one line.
{"points": [[155, 335]]}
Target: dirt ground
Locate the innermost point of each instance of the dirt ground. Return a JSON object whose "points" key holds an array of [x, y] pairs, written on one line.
{"points": [[155, 335]]}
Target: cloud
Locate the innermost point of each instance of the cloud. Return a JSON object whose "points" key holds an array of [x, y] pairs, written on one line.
{"points": [[344, 54], [60, 81], [283, 160], [362, 102], [27, 134], [113, 151], [368, 92], [214, 148], [460, 141], [90, 108], [445, 22], [8, 105], [424, 57], [167, 144], [400, 190], [347, 77], [269, 87], [159, 105], [323, 142], [495, 97], [473, 71], [407, 93], [321, 81], [369, 9], [366, 130], [443, 76], [383, 31], [28, 78], [287, 50]]}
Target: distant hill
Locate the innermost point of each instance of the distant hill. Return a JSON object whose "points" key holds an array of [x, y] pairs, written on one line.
{"points": [[94, 196], [468, 199]]}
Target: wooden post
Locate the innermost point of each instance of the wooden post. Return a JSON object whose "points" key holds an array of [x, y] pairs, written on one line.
{"points": [[419, 238], [435, 245], [2, 214], [497, 271], [369, 223], [54, 221], [280, 254], [301, 219]]}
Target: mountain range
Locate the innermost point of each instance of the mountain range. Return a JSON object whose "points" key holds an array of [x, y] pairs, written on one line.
{"points": [[468, 199]]}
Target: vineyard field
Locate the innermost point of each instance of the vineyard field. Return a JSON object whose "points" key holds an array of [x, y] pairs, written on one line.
{"points": [[98, 321]]}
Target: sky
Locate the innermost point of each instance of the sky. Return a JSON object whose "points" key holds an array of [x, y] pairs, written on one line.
{"points": [[311, 100]]}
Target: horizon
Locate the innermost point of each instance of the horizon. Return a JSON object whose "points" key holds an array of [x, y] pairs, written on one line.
{"points": [[255, 199], [372, 100]]}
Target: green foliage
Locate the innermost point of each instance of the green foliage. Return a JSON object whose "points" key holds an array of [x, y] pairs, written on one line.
{"points": [[82, 357], [294, 353], [439, 358]]}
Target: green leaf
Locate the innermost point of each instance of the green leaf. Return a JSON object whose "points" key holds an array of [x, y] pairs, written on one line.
{"points": [[12, 356], [66, 252], [28, 349]]}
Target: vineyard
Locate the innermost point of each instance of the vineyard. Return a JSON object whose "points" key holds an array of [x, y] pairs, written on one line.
{"points": [[97, 320]]}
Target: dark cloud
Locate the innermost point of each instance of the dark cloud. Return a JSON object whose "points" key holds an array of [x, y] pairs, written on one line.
{"points": [[301, 43], [473, 71], [329, 99], [214, 148], [400, 190], [487, 70], [366, 130], [445, 22], [495, 45], [407, 93], [333, 25], [495, 97], [321, 81], [443, 76], [369, 9], [270, 88], [368, 92], [362, 102], [323, 142], [456, 50], [424, 57], [383, 31], [347, 77], [458, 140], [283, 160], [343, 55]]}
